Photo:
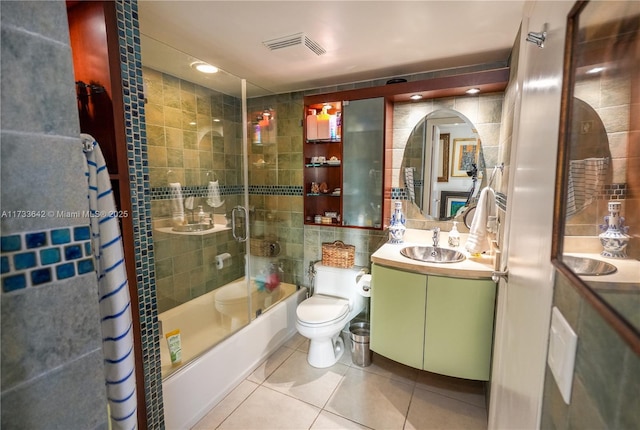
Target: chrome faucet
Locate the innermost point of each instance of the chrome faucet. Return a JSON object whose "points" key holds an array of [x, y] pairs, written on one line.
{"points": [[436, 237]]}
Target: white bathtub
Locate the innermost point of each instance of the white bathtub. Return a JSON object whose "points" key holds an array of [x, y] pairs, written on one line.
{"points": [[191, 391]]}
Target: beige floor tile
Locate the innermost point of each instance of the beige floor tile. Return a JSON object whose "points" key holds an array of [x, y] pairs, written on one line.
{"points": [[392, 369], [372, 400], [295, 341], [431, 411], [266, 409], [462, 389], [297, 378], [268, 366], [328, 421], [222, 410]]}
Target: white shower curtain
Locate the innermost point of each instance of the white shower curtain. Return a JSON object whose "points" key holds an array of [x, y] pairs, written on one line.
{"points": [[113, 291]]}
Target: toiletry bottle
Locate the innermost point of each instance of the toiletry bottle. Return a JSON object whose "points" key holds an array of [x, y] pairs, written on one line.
{"points": [[312, 125], [323, 124], [201, 215], [454, 236]]}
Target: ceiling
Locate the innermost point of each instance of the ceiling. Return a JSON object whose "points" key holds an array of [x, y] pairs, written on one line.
{"points": [[363, 40]]}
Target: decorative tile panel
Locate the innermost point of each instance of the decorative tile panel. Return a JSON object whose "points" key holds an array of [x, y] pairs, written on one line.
{"points": [[38, 258]]}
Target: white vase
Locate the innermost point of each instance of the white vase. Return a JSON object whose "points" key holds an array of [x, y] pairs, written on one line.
{"points": [[397, 226], [614, 237]]}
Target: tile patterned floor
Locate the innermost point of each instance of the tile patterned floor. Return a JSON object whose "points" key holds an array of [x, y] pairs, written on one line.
{"points": [[285, 392]]}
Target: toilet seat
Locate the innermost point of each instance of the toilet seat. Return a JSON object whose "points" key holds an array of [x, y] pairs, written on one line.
{"points": [[321, 310]]}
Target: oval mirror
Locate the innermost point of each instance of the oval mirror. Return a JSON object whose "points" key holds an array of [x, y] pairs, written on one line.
{"points": [[443, 165]]}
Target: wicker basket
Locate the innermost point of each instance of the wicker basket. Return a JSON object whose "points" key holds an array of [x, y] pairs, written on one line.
{"points": [[337, 254]]}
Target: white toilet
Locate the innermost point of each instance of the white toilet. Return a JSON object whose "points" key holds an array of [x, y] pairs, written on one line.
{"points": [[232, 300], [337, 299]]}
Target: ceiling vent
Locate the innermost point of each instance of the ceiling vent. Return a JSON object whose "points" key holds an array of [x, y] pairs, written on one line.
{"points": [[298, 40]]}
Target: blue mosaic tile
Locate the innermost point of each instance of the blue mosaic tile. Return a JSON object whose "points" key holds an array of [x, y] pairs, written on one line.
{"points": [[60, 236], [25, 260], [4, 265], [15, 282], [49, 256], [10, 243], [87, 249], [64, 271], [82, 233], [36, 240], [72, 252], [85, 266], [41, 276]]}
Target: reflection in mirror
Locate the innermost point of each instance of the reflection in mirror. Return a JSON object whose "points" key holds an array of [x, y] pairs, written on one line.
{"points": [[598, 181], [443, 164]]}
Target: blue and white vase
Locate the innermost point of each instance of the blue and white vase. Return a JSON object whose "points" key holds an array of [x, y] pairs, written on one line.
{"points": [[614, 237], [397, 226]]}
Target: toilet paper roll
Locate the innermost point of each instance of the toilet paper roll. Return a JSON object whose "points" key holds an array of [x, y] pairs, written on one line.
{"points": [[223, 260], [364, 286]]}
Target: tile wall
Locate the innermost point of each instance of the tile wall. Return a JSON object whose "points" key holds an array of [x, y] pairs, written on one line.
{"points": [[52, 371]]}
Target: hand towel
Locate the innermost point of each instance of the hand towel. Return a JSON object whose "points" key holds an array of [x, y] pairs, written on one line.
{"points": [[484, 223], [585, 178], [113, 291], [177, 205], [213, 195], [408, 179]]}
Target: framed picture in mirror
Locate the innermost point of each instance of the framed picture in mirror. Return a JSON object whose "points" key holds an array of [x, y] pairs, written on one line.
{"points": [[451, 202], [443, 156], [465, 153]]}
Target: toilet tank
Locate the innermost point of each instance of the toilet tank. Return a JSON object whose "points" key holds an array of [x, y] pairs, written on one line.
{"points": [[335, 281]]}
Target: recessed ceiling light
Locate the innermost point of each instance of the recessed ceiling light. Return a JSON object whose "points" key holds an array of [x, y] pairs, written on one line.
{"points": [[415, 97], [203, 67], [473, 91]]}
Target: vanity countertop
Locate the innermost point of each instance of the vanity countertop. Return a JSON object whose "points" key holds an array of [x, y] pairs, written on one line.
{"points": [[471, 268]]}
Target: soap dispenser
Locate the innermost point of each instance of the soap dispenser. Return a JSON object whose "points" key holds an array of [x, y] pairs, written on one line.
{"points": [[454, 236], [201, 215]]}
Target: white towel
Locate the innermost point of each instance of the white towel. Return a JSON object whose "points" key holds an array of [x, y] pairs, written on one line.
{"points": [[213, 195], [585, 178], [408, 179], [113, 291], [484, 223], [177, 205]]}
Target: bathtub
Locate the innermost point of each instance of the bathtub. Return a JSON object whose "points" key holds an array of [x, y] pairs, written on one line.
{"points": [[199, 384]]}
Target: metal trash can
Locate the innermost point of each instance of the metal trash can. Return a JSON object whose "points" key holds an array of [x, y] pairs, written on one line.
{"points": [[360, 352]]}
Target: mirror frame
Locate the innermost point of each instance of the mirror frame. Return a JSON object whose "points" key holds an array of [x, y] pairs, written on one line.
{"points": [[448, 158], [621, 325]]}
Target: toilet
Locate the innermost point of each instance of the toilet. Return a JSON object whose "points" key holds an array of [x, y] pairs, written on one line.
{"points": [[338, 297], [232, 300]]}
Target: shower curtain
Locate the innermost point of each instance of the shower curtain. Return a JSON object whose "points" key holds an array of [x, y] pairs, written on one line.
{"points": [[113, 291]]}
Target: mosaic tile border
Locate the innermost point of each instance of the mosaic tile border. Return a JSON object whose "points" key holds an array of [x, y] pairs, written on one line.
{"points": [[34, 259], [136, 139], [164, 193]]}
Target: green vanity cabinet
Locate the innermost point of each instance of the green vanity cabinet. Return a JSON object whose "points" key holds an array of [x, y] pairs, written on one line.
{"points": [[397, 315], [435, 323]]}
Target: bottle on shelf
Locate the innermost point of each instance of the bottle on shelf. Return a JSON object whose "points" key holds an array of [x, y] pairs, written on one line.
{"points": [[312, 125], [324, 130]]}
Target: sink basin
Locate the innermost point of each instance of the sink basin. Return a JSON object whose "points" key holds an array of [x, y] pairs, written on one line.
{"points": [[588, 266], [429, 254], [192, 227]]}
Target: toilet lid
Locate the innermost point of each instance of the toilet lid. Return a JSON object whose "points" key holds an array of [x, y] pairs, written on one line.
{"points": [[321, 309]]}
